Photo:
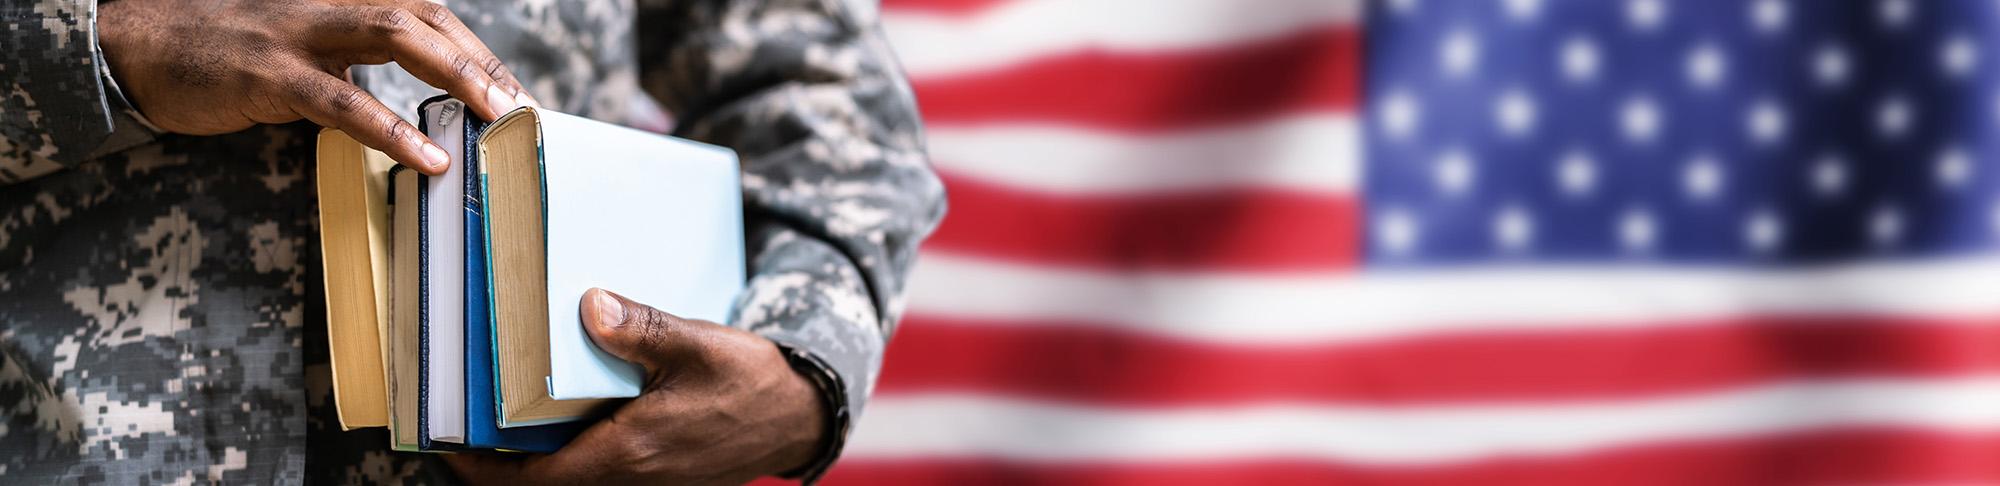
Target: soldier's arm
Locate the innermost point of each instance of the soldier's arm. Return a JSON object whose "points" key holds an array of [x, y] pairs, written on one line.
{"points": [[227, 66], [56, 104], [838, 191]]}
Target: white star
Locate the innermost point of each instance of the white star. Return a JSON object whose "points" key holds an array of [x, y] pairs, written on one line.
{"points": [[1453, 173], [1885, 226], [1954, 169], [1766, 122], [1576, 174], [1579, 59], [1762, 231], [1515, 113], [1706, 66], [1701, 178], [1893, 117], [1637, 230], [1959, 55], [1830, 66], [1396, 231], [1400, 115], [1645, 14], [1829, 177], [1769, 15], [1895, 13], [1459, 54], [1513, 229], [1639, 119], [1523, 10]]}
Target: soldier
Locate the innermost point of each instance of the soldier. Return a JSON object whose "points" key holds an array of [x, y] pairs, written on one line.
{"points": [[160, 312]]}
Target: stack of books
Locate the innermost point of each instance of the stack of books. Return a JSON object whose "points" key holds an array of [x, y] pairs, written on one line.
{"points": [[452, 300]]}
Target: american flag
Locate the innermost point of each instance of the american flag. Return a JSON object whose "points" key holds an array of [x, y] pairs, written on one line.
{"points": [[1510, 241]]}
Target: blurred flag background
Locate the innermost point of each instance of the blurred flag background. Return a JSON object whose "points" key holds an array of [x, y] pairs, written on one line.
{"points": [[1449, 241]]}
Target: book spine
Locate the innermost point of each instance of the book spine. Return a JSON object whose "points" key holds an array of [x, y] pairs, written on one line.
{"points": [[423, 313], [424, 118]]}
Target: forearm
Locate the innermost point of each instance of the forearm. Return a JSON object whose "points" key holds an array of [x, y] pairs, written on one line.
{"points": [[837, 190]]}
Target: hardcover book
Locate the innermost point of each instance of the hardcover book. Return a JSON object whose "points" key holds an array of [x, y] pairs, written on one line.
{"points": [[481, 409], [354, 254], [572, 204]]}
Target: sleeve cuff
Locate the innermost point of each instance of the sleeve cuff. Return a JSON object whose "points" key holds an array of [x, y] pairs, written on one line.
{"points": [[129, 128]]}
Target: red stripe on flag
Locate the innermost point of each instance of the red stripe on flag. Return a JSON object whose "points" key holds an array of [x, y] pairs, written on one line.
{"points": [[1080, 363], [1310, 71], [1249, 229], [1854, 456]]}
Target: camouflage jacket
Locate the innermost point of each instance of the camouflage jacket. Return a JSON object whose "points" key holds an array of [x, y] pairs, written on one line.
{"points": [[160, 305]]}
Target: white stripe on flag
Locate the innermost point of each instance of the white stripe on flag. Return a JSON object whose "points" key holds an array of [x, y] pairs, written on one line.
{"points": [[1310, 153], [1347, 306], [963, 426], [1011, 32]]}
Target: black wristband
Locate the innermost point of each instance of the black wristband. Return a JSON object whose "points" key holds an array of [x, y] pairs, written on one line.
{"points": [[831, 392]]}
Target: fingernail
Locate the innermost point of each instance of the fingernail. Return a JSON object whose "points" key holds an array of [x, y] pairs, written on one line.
{"points": [[498, 99], [610, 312], [434, 156], [525, 100]]}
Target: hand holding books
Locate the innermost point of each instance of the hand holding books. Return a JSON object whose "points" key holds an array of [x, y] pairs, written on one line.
{"points": [[234, 64], [452, 302], [720, 406]]}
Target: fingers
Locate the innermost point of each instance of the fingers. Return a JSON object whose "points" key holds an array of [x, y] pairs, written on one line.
{"points": [[446, 23], [637, 332], [408, 39], [334, 103]]}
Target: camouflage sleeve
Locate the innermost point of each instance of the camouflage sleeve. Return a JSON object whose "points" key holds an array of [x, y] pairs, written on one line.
{"points": [[54, 107], [838, 191]]}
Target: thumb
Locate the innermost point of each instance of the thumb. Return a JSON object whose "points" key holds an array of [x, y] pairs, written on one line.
{"points": [[633, 331]]}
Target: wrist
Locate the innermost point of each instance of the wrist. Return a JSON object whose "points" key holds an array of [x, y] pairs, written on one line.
{"points": [[829, 406], [116, 33], [806, 430]]}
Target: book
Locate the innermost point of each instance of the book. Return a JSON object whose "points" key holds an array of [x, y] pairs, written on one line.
{"points": [[436, 220], [354, 253], [481, 410], [406, 262], [572, 204]]}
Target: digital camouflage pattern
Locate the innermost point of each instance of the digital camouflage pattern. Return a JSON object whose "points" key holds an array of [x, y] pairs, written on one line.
{"points": [[160, 305]]}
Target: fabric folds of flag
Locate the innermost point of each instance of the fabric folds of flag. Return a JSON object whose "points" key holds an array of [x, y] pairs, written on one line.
{"points": [[1616, 242]]}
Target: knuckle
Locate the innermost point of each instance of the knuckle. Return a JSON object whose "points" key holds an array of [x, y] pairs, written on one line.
{"points": [[656, 327], [462, 68], [395, 134], [493, 67], [435, 13], [394, 21], [346, 100]]}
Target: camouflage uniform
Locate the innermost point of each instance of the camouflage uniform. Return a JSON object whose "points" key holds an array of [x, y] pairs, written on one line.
{"points": [[160, 311]]}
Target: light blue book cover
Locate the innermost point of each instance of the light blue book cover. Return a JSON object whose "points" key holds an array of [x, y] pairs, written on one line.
{"points": [[654, 218]]}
